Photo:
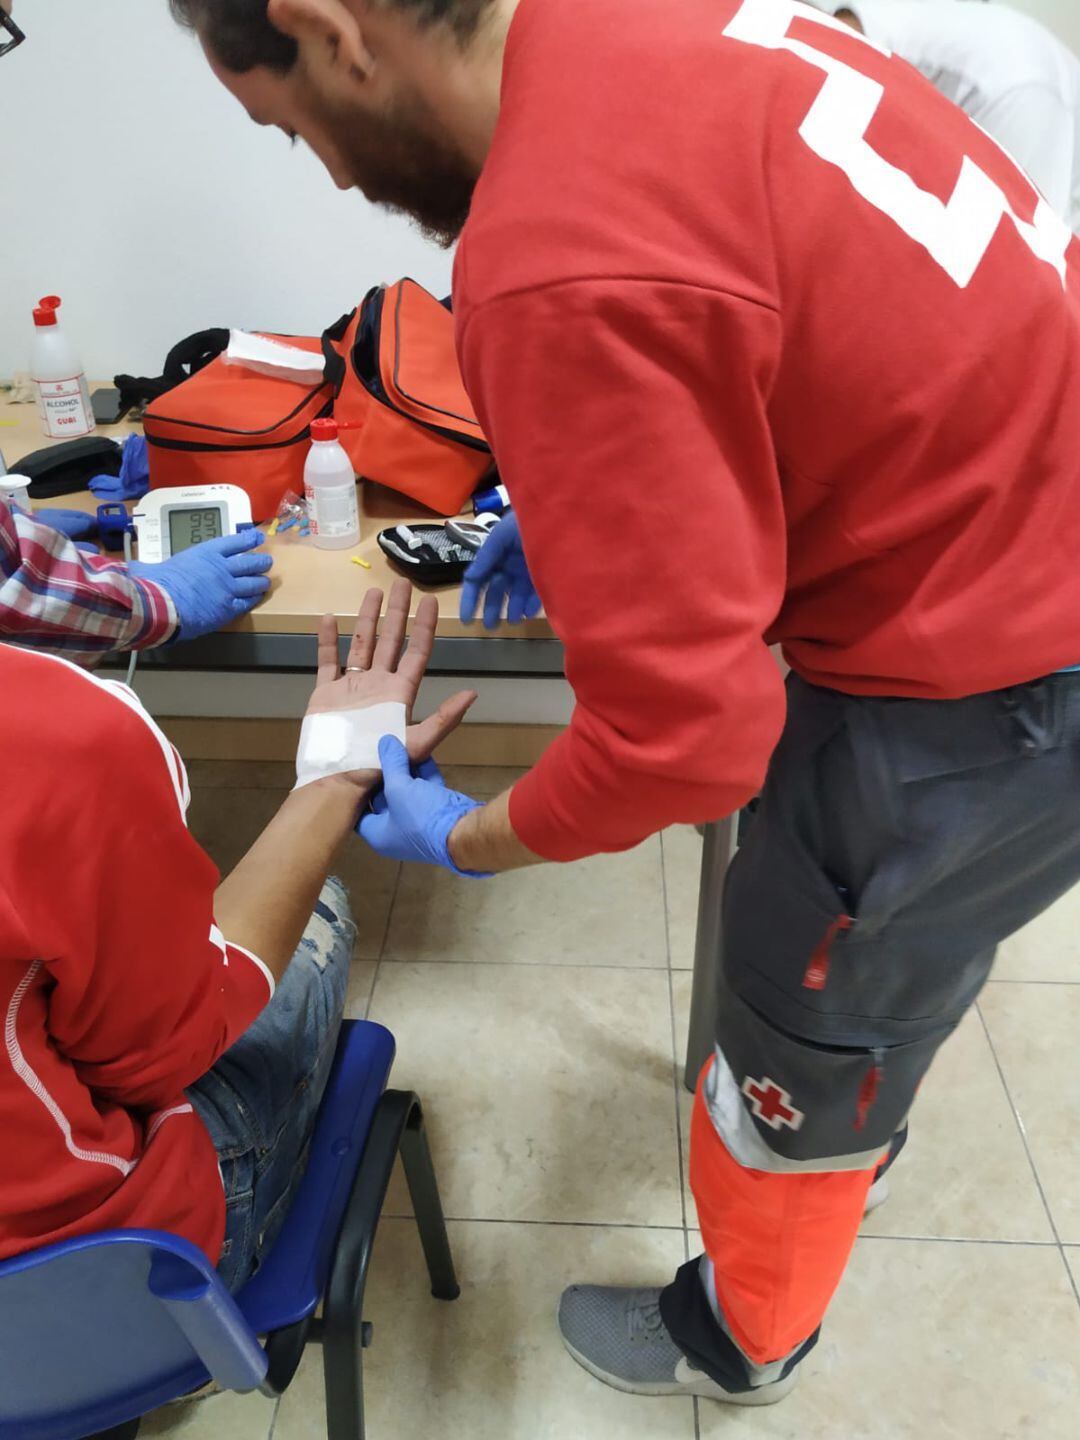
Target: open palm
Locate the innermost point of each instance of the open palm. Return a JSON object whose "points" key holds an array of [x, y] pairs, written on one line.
{"points": [[376, 671]]}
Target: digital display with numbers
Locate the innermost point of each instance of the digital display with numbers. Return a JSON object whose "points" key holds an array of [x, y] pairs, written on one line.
{"points": [[192, 527]]}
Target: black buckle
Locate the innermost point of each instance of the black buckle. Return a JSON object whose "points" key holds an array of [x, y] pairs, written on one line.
{"points": [[15, 34]]}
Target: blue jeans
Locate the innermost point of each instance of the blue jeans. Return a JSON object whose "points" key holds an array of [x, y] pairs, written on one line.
{"points": [[260, 1100]]}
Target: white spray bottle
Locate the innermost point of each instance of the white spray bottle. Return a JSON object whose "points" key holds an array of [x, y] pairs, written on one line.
{"points": [[330, 488], [63, 394]]}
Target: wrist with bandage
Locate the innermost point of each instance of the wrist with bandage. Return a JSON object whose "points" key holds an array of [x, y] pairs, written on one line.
{"points": [[345, 742]]}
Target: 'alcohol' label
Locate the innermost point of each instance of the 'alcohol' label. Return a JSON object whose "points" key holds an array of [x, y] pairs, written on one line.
{"points": [[64, 406]]}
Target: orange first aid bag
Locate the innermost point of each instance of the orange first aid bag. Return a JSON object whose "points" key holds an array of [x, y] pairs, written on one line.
{"points": [[228, 425], [399, 381], [390, 373]]}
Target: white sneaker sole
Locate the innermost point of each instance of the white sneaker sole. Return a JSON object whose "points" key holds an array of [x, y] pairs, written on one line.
{"points": [[706, 1388], [877, 1195]]}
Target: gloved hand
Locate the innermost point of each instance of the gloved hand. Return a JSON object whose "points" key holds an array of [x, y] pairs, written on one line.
{"points": [[75, 524], [501, 568], [212, 583], [134, 479], [411, 817]]}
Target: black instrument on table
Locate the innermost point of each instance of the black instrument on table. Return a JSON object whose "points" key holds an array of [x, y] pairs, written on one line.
{"points": [[427, 554], [63, 469]]}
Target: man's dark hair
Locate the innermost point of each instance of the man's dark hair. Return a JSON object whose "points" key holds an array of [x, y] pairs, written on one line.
{"points": [[241, 37]]}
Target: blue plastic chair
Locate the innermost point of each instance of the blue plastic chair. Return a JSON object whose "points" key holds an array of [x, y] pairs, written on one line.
{"points": [[97, 1331]]}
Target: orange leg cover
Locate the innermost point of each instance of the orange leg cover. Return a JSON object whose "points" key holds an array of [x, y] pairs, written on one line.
{"points": [[779, 1243]]}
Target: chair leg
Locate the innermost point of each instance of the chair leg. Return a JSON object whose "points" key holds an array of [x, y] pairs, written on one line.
{"points": [[343, 1377], [398, 1127], [343, 1331], [427, 1206]]}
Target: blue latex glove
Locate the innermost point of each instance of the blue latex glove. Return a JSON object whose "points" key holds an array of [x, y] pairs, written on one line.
{"points": [[75, 524], [212, 583], [412, 816], [134, 479], [501, 569]]}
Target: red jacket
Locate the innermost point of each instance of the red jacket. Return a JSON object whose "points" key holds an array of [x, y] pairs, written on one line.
{"points": [[773, 345], [116, 988]]}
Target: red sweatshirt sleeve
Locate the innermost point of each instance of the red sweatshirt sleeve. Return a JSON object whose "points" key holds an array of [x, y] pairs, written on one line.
{"points": [[629, 422], [146, 993]]}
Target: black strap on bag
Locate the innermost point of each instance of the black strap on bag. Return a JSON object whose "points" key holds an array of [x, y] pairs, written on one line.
{"points": [[185, 359], [333, 360]]}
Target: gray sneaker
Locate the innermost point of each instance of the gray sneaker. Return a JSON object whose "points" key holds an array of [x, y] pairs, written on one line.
{"points": [[618, 1336]]}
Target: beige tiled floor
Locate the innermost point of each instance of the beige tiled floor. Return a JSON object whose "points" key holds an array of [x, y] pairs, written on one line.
{"points": [[682, 869], [602, 911], [541, 1018], [1047, 949]]}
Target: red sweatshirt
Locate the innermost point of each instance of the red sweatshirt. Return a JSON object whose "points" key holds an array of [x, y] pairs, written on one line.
{"points": [[116, 988], [773, 345]]}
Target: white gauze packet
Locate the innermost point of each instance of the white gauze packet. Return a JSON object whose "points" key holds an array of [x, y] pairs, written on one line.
{"points": [[346, 740], [273, 358]]}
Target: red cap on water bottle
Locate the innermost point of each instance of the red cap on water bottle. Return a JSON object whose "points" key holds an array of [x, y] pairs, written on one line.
{"points": [[330, 429]]}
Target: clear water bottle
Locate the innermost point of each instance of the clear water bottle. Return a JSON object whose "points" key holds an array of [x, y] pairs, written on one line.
{"points": [[330, 488]]}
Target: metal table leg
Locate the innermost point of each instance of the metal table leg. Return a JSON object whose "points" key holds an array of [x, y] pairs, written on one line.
{"points": [[721, 840]]}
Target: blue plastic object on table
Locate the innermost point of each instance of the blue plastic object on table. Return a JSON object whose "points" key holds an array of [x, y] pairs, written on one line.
{"points": [[134, 479], [75, 524]]}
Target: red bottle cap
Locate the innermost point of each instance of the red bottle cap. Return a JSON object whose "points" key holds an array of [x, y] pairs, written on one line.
{"points": [[44, 315], [330, 429], [50, 302]]}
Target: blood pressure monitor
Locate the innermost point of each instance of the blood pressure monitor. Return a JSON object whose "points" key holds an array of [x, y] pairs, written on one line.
{"points": [[173, 519]]}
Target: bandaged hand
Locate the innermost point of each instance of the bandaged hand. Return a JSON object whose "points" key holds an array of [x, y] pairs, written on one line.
{"points": [[378, 679], [501, 574], [412, 817]]}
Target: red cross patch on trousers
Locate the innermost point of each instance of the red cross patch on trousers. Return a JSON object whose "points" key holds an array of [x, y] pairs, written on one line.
{"points": [[770, 1103]]}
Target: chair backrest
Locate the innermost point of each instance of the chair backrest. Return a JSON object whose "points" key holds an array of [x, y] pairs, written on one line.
{"points": [[98, 1330]]}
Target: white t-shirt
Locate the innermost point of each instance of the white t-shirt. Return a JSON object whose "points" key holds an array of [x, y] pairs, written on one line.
{"points": [[1005, 69]]}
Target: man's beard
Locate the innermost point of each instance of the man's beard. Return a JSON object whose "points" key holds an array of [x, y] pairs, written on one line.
{"points": [[400, 160]]}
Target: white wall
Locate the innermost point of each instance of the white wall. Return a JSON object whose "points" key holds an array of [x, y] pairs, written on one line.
{"points": [[136, 188], [1061, 16]]}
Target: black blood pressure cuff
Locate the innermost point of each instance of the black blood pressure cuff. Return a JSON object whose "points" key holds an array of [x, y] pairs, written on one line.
{"points": [[63, 469]]}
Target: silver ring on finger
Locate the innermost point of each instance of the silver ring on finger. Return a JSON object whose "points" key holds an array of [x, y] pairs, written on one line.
{"points": [[355, 669]]}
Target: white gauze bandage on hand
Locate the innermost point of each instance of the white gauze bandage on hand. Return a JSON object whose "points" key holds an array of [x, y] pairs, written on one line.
{"points": [[344, 740]]}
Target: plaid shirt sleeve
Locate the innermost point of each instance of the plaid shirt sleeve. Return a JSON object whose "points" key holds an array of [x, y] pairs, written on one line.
{"points": [[54, 597]]}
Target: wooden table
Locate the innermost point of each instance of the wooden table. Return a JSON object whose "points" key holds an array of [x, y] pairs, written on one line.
{"points": [[307, 583]]}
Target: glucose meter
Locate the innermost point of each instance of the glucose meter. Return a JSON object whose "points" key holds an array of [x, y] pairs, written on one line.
{"points": [[177, 517]]}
